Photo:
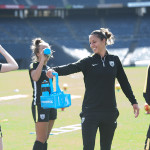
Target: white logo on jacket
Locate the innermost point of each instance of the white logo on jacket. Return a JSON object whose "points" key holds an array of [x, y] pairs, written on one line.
{"points": [[94, 65], [42, 116], [83, 119], [112, 64]]}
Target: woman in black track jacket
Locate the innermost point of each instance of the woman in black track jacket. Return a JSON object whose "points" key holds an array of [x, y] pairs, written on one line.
{"points": [[146, 94], [99, 109]]}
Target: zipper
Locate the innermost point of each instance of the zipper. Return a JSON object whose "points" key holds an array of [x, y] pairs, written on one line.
{"points": [[103, 61]]}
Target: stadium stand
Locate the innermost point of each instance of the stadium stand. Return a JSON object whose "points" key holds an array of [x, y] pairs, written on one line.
{"points": [[144, 28], [23, 2], [124, 1], [119, 1], [10, 2], [65, 3], [71, 32], [89, 3], [57, 3], [17, 29]]}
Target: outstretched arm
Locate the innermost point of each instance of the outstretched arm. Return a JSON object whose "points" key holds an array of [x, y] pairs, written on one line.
{"points": [[11, 63], [80, 65]]}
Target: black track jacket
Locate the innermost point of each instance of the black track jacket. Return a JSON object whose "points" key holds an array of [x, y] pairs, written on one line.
{"points": [[146, 92], [99, 78]]}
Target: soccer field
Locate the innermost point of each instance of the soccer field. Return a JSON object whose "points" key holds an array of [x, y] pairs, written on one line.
{"points": [[17, 123]]}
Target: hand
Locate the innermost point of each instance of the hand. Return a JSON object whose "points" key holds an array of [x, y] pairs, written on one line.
{"points": [[49, 73], [136, 110]]}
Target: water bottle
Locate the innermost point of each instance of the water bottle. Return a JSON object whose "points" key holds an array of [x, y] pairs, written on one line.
{"points": [[45, 88], [47, 52]]}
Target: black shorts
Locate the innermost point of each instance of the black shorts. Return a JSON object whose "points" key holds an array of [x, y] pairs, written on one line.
{"points": [[43, 115], [0, 132]]}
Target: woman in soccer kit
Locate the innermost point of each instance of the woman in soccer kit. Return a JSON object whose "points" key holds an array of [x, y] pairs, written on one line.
{"points": [[146, 94], [44, 118], [99, 108], [5, 67]]}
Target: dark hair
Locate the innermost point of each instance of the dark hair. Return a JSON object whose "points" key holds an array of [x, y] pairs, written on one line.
{"points": [[35, 48], [104, 33]]}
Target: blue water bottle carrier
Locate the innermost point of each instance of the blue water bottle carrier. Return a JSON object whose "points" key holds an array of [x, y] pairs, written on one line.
{"points": [[56, 99]]}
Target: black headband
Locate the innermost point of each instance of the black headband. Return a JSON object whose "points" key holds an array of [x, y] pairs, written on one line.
{"points": [[100, 34]]}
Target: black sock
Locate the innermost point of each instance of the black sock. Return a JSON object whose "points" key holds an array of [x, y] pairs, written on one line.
{"points": [[38, 145], [45, 146]]}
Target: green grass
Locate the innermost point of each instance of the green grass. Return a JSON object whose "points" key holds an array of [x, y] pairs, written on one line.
{"points": [[130, 133]]}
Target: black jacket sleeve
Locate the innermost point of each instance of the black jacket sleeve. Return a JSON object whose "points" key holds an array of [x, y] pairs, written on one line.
{"points": [[124, 83], [0, 66], [78, 66], [146, 92]]}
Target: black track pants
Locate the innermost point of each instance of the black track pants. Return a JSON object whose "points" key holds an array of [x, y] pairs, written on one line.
{"points": [[89, 130], [147, 141]]}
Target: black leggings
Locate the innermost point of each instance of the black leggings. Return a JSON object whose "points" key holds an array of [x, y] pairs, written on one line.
{"points": [[89, 130]]}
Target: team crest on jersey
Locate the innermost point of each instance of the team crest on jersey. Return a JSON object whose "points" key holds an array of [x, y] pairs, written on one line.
{"points": [[112, 64], [83, 119], [42, 116]]}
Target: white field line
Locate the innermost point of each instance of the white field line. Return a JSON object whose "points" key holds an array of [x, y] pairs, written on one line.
{"points": [[75, 96], [12, 97], [70, 128]]}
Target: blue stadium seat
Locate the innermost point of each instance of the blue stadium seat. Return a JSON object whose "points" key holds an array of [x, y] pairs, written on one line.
{"points": [[88, 3], [4, 2], [144, 31], [57, 3], [118, 1], [22, 2]]}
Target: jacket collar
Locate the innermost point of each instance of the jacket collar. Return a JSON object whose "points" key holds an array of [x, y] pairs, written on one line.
{"points": [[98, 56]]}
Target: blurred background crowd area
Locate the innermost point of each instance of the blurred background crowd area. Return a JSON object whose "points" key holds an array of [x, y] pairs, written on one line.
{"points": [[66, 25]]}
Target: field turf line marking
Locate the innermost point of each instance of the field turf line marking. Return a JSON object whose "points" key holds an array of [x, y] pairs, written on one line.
{"points": [[12, 97], [70, 128]]}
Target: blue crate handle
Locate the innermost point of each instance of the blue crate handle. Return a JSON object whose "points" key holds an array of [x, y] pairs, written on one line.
{"points": [[57, 99], [57, 85]]}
